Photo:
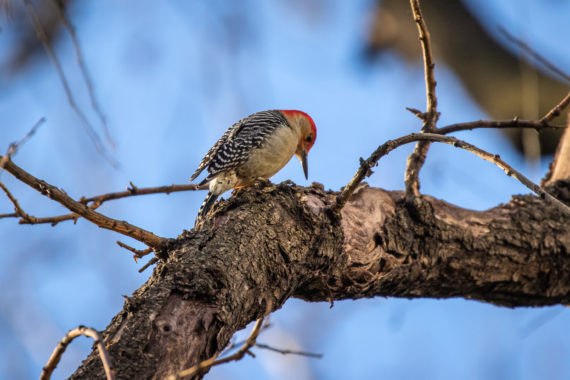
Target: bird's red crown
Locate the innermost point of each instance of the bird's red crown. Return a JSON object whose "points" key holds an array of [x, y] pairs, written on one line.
{"points": [[306, 116]]}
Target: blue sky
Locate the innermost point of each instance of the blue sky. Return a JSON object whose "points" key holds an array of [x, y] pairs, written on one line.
{"points": [[171, 77]]}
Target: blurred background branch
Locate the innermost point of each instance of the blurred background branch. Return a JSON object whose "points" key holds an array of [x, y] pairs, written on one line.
{"points": [[171, 76], [519, 86]]}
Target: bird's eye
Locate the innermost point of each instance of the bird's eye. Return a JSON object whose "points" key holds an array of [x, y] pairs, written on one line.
{"points": [[309, 138]]}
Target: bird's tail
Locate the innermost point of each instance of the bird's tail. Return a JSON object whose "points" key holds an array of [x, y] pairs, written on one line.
{"points": [[207, 204]]}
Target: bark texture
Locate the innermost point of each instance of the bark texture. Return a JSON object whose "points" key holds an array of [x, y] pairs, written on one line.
{"points": [[560, 166], [270, 243]]}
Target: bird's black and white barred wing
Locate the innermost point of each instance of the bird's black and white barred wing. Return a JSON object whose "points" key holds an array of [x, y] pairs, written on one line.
{"points": [[236, 145], [211, 153]]}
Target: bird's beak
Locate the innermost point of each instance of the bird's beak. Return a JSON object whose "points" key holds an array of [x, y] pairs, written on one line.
{"points": [[304, 163]]}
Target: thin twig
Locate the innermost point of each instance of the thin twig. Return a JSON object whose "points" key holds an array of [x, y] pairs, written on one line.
{"points": [[206, 364], [429, 64], [236, 344], [549, 65], [53, 57], [68, 338], [555, 112], [134, 191], [19, 212], [96, 201], [387, 147], [51, 220], [138, 253], [287, 351], [514, 123], [417, 113], [152, 261], [13, 148], [26, 218], [418, 156], [122, 227], [81, 62]]}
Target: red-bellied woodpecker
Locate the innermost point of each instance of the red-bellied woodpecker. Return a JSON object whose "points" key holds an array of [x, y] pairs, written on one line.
{"points": [[256, 147]]}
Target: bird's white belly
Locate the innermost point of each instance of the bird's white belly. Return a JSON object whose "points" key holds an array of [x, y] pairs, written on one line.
{"points": [[268, 160]]}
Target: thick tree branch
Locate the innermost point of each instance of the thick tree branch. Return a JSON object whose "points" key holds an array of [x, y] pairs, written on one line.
{"points": [[222, 276]]}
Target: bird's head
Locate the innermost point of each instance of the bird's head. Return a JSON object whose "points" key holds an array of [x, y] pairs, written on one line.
{"points": [[307, 131]]}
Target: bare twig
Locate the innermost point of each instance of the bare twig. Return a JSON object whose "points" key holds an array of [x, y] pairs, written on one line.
{"points": [[12, 148], [431, 100], [152, 261], [417, 113], [514, 123], [555, 112], [134, 191], [26, 218], [288, 352], [417, 158], [80, 61], [52, 220], [122, 227], [53, 57], [19, 212], [206, 364], [138, 253], [96, 201], [68, 338], [250, 342], [549, 65], [387, 147]]}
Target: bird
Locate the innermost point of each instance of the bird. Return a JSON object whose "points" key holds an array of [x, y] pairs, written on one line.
{"points": [[255, 148]]}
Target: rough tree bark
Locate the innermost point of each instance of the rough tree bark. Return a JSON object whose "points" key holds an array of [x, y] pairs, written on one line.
{"points": [[270, 243]]}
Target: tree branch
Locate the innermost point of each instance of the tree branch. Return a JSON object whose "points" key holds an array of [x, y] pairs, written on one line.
{"points": [[67, 339], [498, 124], [549, 65], [222, 276], [52, 192], [431, 116], [417, 158], [96, 201], [288, 351], [387, 147], [132, 191], [83, 67], [13, 148], [138, 253], [555, 112], [42, 36]]}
